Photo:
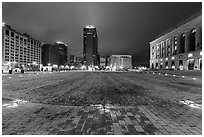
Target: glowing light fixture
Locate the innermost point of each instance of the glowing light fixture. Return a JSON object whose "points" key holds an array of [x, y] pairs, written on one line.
{"points": [[34, 63], [190, 55], [59, 42], [90, 26]]}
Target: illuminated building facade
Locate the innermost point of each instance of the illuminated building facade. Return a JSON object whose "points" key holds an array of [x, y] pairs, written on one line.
{"points": [[118, 62], [19, 50], [180, 48], [103, 62], [90, 46]]}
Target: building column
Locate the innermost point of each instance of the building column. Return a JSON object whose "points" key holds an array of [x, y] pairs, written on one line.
{"points": [[173, 46], [170, 46], [160, 50], [166, 48], [187, 41], [178, 43], [198, 38]]}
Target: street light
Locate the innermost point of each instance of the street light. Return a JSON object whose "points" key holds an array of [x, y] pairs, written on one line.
{"points": [[34, 63], [59, 42]]}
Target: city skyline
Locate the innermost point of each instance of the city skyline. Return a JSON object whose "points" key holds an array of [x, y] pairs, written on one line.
{"points": [[123, 28]]}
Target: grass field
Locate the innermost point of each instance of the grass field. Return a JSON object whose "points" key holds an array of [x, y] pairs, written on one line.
{"points": [[117, 88]]}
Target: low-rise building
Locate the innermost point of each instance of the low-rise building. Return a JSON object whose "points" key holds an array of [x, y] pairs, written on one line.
{"points": [[180, 48], [119, 62]]}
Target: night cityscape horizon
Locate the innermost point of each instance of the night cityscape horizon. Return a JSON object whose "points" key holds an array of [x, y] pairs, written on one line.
{"points": [[140, 25], [101, 68]]}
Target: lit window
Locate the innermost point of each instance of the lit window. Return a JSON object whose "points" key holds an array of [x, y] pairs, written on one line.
{"points": [[172, 58], [201, 53], [166, 58]]}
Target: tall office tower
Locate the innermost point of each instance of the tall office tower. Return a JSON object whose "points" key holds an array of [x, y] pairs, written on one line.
{"points": [[19, 50], [90, 46], [50, 55], [54, 54], [62, 49]]}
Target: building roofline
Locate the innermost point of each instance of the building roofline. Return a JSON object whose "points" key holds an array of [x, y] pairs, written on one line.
{"points": [[22, 34], [197, 14], [122, 55]]}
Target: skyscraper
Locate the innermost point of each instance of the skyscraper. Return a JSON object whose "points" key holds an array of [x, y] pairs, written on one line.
{"points": [[62, 53], [90, 46], [54, 54]]}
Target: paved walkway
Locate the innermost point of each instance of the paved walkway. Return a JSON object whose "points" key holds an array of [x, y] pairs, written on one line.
{"points": [[30, 118]]}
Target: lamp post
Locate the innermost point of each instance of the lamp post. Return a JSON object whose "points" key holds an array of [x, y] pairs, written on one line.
{"points": [[34, 66], [48, 66]]}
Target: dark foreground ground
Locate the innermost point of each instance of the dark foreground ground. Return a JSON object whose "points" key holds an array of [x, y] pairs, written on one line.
{"points": [[102, 103]]}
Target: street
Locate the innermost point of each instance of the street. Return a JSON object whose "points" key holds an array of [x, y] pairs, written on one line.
{"points": [[102, 103]]}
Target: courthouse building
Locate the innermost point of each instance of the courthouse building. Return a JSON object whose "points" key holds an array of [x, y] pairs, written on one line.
{"points": [[19, 50], [180, 48]]}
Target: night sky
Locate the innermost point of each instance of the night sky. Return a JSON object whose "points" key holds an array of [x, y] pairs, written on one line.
{"points": [[122, 27]]}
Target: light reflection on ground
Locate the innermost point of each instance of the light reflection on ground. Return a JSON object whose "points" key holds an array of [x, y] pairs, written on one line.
{"points": [[14, 103], [104, 108], [191, 104]]}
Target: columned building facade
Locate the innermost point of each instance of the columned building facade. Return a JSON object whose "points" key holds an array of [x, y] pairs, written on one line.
{"points": [[180, 49], [90, 46]]}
